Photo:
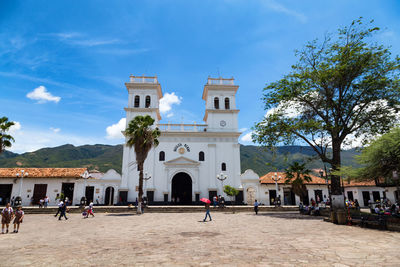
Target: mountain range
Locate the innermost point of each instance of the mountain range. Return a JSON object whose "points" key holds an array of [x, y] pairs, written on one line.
{"points": [[104, 157]]}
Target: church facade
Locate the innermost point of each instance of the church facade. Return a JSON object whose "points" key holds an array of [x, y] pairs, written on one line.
{"points": [[192, 161]]}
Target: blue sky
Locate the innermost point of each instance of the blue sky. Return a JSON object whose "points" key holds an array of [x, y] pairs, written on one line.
{"points": [[63, 64]]}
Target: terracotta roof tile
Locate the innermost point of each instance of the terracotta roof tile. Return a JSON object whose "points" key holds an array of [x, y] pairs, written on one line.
{"points": [[359, 183], [43, 172], [268, 179]]}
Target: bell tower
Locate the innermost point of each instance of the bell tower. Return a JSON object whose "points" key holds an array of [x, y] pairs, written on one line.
{"points": [[144, 95], [221, 113]]}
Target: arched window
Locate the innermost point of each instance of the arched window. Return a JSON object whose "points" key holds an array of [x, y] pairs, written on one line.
{"points": [[227, 103], [216, 103], [201, 156], [223, 166], [161, 156], [137, 101], [147, 101]]}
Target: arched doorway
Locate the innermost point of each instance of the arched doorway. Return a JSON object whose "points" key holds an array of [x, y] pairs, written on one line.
{"points": [[181, 189], [109, 197], [251, 195]]}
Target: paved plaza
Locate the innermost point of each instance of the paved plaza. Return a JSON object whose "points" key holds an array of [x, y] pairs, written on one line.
{"points": [[173, 239]]}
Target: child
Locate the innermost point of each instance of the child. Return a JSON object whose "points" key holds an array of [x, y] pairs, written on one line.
{"points": [[19, 215], [90, 210], [6, 216]]}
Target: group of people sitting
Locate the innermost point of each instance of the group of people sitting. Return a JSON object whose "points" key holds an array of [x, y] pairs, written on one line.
{"points": [[352, 204], [219, 201], [385, 208], [314, 208]]}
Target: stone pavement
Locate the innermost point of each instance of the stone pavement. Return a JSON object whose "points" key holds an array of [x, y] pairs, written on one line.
{"points": [[173, 239]]}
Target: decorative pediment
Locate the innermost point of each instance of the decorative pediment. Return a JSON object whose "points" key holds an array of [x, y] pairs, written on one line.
{"points": [[182, 161]]}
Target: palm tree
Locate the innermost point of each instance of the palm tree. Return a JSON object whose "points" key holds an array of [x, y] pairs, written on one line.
{"points": [[296, 175], [5, 139], [142, 137]]}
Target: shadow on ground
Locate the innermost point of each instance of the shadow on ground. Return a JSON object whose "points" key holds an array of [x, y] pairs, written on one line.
{"points": [[121, 214], [290, 216]]}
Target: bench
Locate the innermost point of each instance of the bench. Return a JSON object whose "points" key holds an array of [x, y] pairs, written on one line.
{"points": [[369, 220]]}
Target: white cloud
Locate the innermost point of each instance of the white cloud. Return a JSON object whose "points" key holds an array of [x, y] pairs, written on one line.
{"points": [[79, 39], [122, 52], [289, 109], [114, 131], [16, 127], [55, 130], [93, 42], [243, 130], [42, 95], [31, 139], [278, 7], [167, 101], [246, 137]]}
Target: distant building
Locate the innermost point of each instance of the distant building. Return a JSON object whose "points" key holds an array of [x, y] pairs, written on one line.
{"points": [[51, 182]]}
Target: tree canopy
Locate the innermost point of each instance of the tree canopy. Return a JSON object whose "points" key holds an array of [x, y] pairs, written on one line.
{"points": [[5, 139], [343, 87], [380, 158]]}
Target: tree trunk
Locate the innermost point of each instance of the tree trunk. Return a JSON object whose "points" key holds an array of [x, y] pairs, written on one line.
{"points": [[336, 188], [139, 209], [337, 197]]}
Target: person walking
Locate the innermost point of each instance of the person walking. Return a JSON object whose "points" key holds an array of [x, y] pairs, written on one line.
{"points": [[12, 201], [60, 204], [256, 206], [90, 210], [63, 210], [207, 206], [19, 216], [6, 216]]}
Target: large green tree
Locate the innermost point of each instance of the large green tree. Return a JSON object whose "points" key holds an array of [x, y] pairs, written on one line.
{"points": [[142, 136], [344, 87], [296, 175], [5, 139], [381, 159]]}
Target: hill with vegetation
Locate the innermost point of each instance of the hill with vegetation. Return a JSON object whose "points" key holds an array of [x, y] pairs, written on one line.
{"points": [[105, 157]]}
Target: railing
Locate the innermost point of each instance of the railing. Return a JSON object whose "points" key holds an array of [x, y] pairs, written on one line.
{"points": [[220, 81], [169, 127], [143, 79]]}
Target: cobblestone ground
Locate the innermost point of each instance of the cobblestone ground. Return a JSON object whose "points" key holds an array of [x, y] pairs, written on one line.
{"points": [[172, 239]]}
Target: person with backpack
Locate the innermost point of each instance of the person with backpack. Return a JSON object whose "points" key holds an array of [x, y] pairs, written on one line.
{"points": [[6, 215], [19, 216]]}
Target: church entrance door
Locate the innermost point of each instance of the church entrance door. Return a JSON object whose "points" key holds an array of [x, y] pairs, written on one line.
{"points": [[181, 189]]}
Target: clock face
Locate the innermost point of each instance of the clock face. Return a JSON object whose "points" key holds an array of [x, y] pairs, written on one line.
{"points": [[222, 123]]}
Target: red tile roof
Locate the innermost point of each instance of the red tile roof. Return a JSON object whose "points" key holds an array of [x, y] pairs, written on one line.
{"points": [[268, 179], [359, 183], [43, 172]]}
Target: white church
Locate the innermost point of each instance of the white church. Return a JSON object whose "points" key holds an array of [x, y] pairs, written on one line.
{"points": [[192, 161]]}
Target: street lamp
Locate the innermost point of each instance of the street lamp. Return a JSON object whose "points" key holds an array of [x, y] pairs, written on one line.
{"points": [[21, 175], [276, 178], [145, 178], [222, 177]]}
